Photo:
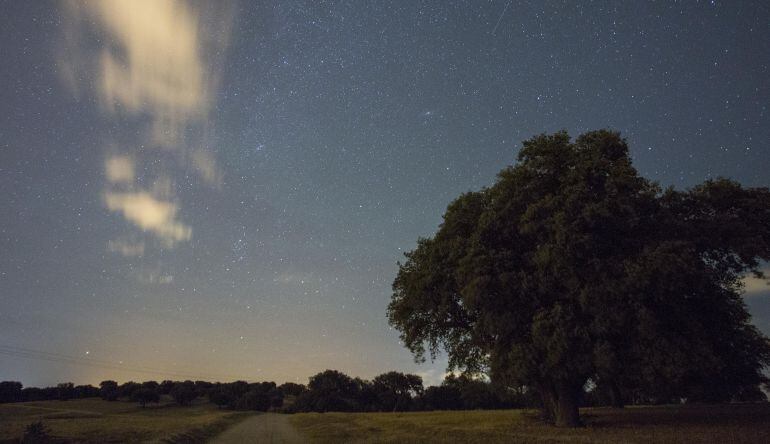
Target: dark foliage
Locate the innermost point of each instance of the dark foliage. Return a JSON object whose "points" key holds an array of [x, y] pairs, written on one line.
{"points": [[254, 400], [10, 391], [334, 391], [65, 391], [108, 390], [395, 390], [184, 392], [145, 396], [39, 394], [152, 385], [36, 433], [328, 391], [222, 397], [165, 387], [86, 391], [241, 395], [573, 267], [127, 389], [290, 388], [442, 397]]}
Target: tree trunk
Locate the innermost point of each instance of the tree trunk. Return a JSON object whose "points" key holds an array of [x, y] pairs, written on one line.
{"points": [[567, 413], [560, 405], [616, 397], [548, 403]]}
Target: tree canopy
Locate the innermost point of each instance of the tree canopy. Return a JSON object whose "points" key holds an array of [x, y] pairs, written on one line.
{"points": [[574, 267]]}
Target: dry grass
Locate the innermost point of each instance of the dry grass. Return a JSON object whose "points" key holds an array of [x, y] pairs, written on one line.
{"points": [[669, 424], [94, 420]]}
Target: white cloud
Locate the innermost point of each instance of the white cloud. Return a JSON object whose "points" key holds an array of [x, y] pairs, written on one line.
{"points": [[150, 214], [126, 248], [153, 66], [119, 169], [207, 167]]}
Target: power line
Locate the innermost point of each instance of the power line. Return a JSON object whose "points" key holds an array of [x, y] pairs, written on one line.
{"points": [[26, 353]]}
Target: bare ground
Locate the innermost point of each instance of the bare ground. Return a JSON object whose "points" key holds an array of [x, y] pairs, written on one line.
{"points": [[271, 428]]}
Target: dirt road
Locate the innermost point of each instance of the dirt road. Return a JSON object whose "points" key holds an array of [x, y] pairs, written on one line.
{"points": [[266, 428]]}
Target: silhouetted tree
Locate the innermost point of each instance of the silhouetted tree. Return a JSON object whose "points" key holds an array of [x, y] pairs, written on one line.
{"points": [[108, 390], [253, 400], [238, 388], [65, 391], [442, 397], [165, 387], [572, 266], [32, 394], [127, 389], [276, 398], [202, 387], [395, 390], [366, 398], [184, 392], [10, 391], [333, 381], [221, 396], [290, 388], [474, 393], [152, 385], [86, 391], [330, 391], [145, 395]]}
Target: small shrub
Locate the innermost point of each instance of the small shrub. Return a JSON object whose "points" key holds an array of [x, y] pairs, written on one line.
{"points": [[36, 432]]}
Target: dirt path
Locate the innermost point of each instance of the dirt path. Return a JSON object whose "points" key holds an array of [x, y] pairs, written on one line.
{"points": [[265, 428]]}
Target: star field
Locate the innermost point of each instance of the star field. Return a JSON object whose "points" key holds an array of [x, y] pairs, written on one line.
{"points": [[244, 218]]}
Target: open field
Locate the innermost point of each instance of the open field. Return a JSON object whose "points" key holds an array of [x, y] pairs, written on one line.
{"points": [[94, 420], [670, 424]]}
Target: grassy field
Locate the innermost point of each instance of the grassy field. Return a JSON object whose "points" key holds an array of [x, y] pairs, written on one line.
{"points": [[669, 424], [94, 420]]}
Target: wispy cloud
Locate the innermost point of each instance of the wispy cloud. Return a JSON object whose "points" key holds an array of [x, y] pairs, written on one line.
{"points": [[126, 248], [207, 168], [150, 214], [119, 169], [153, 66]]}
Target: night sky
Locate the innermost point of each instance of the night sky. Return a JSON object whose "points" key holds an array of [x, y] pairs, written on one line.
{"points": [[222, 191]]}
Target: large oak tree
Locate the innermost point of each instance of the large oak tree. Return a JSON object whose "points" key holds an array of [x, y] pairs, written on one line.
{"points": [[573, 267]]}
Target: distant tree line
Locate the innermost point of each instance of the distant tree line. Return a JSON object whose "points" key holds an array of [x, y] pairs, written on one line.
{"points": [[334, 391], [12, 391], [236, 395]]}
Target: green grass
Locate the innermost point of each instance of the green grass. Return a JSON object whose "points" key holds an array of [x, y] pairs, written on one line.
{"points": [[94, 420], [668, 424]]}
